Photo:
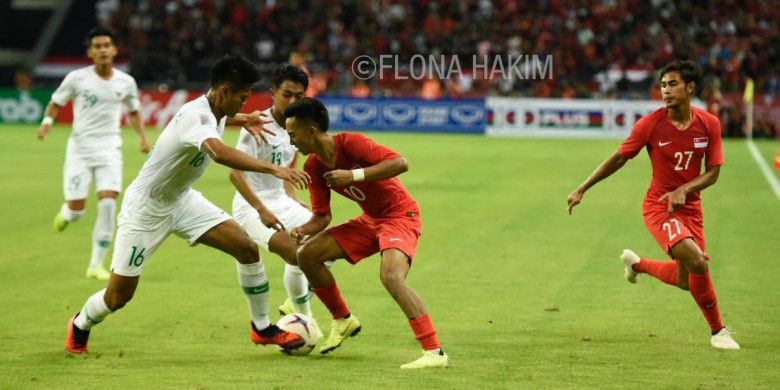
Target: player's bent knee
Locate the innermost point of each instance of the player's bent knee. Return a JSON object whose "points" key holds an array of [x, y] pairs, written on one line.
{"points": [[117, 299], [697, 263], [391, 278], [248, 252]]}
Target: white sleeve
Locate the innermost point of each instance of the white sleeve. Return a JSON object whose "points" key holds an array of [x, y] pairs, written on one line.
{"points": [[65, 91], [132, 101], [198, 127]]}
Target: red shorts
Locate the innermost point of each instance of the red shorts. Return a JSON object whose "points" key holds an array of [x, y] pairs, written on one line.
{"points": [[668, 229], [364, 236]]}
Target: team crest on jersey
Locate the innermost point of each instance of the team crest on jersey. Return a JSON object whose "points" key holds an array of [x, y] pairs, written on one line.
{"points": [[246, 139], [204, 119], [701, 142]]}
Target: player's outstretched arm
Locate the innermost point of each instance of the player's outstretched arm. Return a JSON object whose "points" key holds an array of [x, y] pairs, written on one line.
{"points": [[385, 169], [603, 171], [236, 159], [316, 224], [267, 218], [254, 123], [676, 199], [138, 126], [52, 111]]}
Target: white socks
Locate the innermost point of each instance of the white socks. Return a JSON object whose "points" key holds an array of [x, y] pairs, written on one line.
{"points": [[103, 231], [70, 215], [297, 289], [93, 312], [252, 279]]}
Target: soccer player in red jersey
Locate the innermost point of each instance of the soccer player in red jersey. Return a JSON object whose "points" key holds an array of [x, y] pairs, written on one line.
{"points": [[678, 139], [361, 170]]}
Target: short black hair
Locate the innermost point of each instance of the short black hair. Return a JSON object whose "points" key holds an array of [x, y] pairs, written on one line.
{"points": [[99, 32], [310, 110], [292, 73], [235, 70], [688, 70]]}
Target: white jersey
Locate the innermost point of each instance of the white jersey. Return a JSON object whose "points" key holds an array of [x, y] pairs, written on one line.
{"points": [[97, 108], [278, 151], [177, 160]]}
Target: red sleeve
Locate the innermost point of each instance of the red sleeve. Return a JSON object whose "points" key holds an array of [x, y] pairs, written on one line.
{"points": [[638, 138], [319, 193], [365, 151], [714, 145]]}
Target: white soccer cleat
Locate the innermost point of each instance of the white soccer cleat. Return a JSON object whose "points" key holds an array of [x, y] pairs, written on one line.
{"points": [[430, 359], [723, 340], [98, 272], [629, 259]]}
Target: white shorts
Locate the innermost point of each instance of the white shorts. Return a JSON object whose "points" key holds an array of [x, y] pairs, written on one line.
{"points": [[291, 213], [80, 169], [140, 233]]}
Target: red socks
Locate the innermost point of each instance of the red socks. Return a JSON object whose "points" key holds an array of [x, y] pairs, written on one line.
{"points": [[665, 271], [424, 332], [331, 298], [704, 294]]}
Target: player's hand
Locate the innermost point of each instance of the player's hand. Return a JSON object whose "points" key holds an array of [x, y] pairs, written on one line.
{"points": [[337, 177], [299, 179], [574, 199], [269, 220], [675, 200], [256, 125], [43, 131], [145, 147]]}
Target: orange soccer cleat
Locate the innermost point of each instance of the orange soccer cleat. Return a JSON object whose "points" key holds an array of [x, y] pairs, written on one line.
{"points": [[76, 341], [278, 337]]}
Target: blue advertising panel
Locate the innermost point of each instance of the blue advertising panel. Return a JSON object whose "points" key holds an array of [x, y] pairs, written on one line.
{"points": [[379, 114]]}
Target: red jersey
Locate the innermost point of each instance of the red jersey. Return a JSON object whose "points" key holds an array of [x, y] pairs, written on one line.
{"points": [[377, 198], [676, 155]]}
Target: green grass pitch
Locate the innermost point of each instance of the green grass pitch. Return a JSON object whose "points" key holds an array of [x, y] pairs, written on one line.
{"points": [[522, 294]]}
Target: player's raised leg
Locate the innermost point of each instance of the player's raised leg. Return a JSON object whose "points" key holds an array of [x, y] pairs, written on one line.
{"points": [[669, 272], [312, 256], [393, 270], [703, 291], [76, 177], [231, 239]]}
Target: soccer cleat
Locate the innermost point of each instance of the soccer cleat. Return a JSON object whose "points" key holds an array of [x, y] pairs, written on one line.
{"points": [[98, 272], [286, 340], [430, 359], [629, 259], [339, 331], [723, 340], [286, 307], [59, 223], [76, 340]]}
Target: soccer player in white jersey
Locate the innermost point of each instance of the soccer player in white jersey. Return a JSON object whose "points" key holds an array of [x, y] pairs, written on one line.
{"points": [[95, 146], [161, 201], [266, 207]]}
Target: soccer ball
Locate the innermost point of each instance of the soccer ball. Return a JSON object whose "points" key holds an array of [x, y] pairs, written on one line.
{"points": [[302, 326]]}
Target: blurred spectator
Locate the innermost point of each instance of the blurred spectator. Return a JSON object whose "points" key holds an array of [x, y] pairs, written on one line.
{"points": [[360, 89], [23, 79]]}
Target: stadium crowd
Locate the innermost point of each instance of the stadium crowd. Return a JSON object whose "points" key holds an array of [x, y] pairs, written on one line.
{"points": [[599, 48]]}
